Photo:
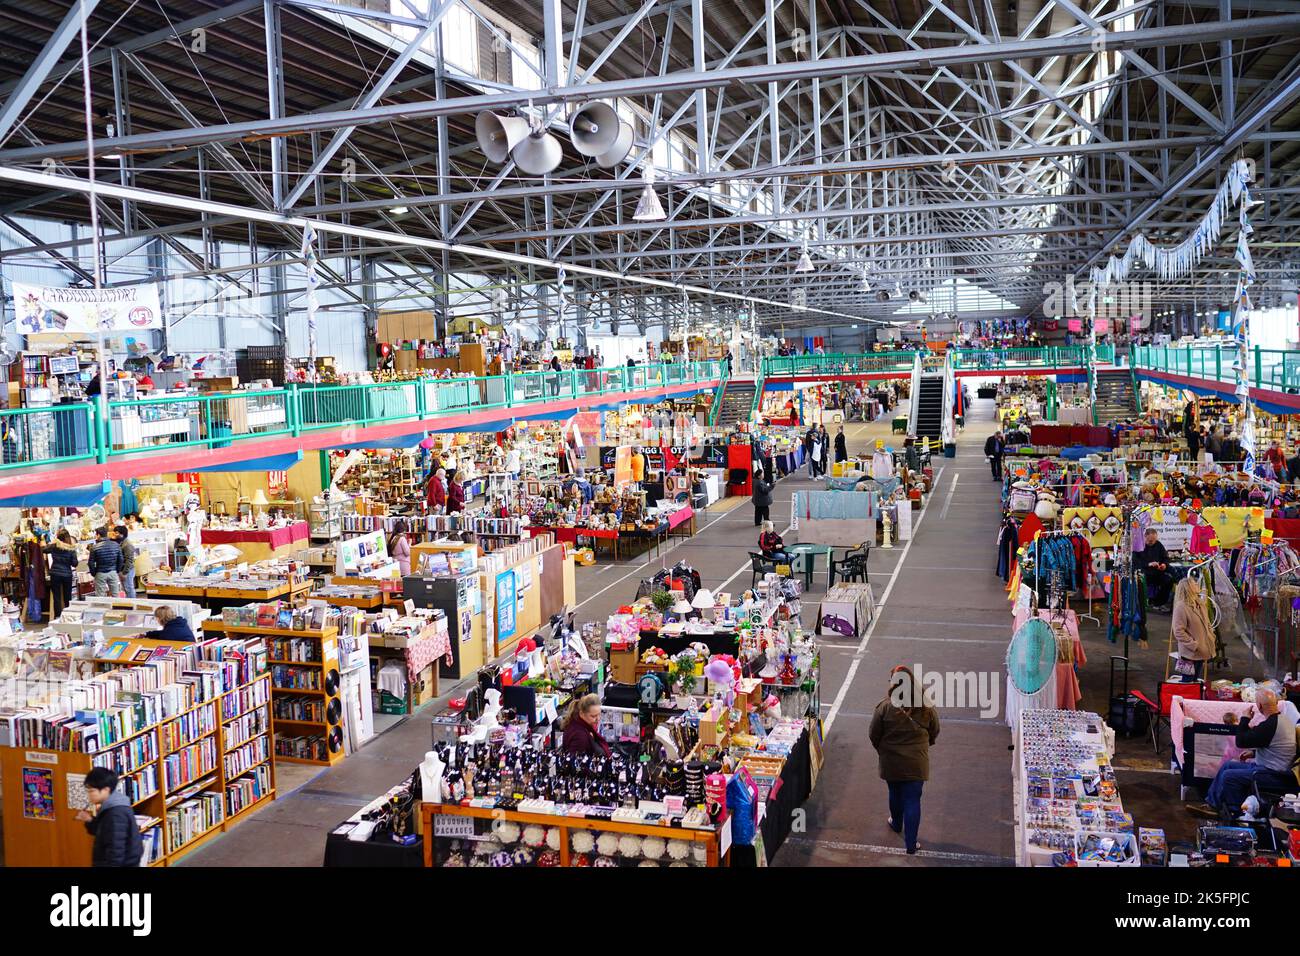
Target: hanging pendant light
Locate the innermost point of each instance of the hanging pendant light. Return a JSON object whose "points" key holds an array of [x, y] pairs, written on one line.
{"points": [[648, 207], [805, 262]]}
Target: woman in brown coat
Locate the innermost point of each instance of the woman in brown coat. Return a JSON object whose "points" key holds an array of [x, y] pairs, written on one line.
{"points": [[1191, 626], [903, 728]]}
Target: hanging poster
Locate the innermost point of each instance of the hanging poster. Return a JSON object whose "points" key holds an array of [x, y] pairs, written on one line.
{"points": [[1074, 325], [38, 793], [125, 308], [505, 606]]}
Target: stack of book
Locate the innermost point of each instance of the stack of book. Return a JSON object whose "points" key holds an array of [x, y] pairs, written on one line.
{"points": [[192, 818]]}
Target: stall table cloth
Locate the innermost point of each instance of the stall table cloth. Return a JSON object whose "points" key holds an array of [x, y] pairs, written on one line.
{"points": [[274, 537]]}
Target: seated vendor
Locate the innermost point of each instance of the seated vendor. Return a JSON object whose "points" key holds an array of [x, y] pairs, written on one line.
{"points": [[1273, 742], [1153, 561], [770, 543], [173, 628]]}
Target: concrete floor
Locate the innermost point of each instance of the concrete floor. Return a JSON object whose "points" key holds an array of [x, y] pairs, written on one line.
{"points": [[940, 607]]}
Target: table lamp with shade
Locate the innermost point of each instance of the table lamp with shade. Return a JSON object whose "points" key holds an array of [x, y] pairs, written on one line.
{"points": [[681, 608], [704, 601], [259, 501]]}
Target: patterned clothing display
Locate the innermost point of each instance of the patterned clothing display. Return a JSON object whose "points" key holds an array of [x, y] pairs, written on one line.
{"points": [[1128, 608]]}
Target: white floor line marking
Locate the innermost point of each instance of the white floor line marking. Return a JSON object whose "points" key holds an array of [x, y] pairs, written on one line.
{"points": [[948, 501], [936, 640], [884, 597], [900, 851]]}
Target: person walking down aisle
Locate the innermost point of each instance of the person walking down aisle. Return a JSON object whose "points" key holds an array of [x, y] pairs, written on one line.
{"points": [[903, 729], [993, 449], [762, 498]]}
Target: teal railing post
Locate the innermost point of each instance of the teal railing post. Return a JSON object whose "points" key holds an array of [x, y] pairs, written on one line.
{"points": [[419, 395], [1218, 364], [1259, 369], [509, 389]]}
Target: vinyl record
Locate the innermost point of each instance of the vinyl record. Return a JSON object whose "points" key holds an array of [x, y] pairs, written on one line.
{"points": [[332, 682], [334, 711], [336, 739]]}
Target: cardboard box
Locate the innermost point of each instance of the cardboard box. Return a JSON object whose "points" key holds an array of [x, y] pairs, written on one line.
{"points": [[218, 383], [622, 665], [422, 690]]}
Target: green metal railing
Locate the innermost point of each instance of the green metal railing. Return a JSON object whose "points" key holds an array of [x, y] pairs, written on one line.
{"points": [[75, 432], [839, 363], [54, 435], [716, 406], [1273, 369], [1055, 356]]}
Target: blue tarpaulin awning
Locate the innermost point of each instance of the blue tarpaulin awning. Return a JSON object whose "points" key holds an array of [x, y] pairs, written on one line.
{"points": [[267, 463], [82, 497], [398, 441]]}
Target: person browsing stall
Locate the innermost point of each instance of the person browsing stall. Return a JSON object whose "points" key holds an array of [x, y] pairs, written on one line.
{"points": [[994, 446], [174, 628], [1153, 561], [581, 733], [455, 494], [436, 495]]}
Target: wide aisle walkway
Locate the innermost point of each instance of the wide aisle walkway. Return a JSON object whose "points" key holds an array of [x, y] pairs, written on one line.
{"points": [[941, 609]]}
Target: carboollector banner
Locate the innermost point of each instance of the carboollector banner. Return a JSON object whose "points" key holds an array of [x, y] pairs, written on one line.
{"points": [[125, 308]]}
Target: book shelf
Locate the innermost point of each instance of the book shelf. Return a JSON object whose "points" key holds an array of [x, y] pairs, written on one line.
{"points": [[306, 712], [192, 775]]}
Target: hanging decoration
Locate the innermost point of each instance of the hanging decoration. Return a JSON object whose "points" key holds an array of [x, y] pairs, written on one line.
{"points": [[1174, 262], [1177, 261], [309, 256]]}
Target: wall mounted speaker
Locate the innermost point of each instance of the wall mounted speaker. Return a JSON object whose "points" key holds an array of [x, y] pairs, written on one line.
{"points": [[498, 135], [619, 150], [593, 128]]}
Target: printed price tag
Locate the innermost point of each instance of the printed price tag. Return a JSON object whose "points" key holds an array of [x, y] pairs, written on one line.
{"points": [[1214, 542], [1257, 512], [1266, 537]]}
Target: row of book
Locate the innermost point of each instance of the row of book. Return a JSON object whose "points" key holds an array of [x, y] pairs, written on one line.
{"points": [[151, 834], [287, 676], [295, 649], [86, 716], [245, 728], [245, 699], [189, 763], [251, 754], [247, 790], [192, 818], [300, 708], [136, 754], [141, 784], [279, 616], [189, 727], [310, 747]]}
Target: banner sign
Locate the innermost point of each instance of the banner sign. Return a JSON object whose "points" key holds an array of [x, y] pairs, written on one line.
{"points": [[126, 308]]}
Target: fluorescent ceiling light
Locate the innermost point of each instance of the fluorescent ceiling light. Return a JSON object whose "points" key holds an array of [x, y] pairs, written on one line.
{"points": [[398, 210]]}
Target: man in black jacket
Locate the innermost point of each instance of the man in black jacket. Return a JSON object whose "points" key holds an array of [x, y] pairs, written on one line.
{"points": [[1153, 561], [993, 448], [117, 836], [762, 499]]}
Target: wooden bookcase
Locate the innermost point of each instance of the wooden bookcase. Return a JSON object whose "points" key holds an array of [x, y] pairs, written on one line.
{"points": [[328, 663], [55, 837]]}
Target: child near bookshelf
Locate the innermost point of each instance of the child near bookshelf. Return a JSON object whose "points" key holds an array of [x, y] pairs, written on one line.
{"points": [[113, 825]]}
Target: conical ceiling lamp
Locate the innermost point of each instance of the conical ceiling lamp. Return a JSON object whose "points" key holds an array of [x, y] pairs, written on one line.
{"points": [[648, 207], [805, 263]]}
